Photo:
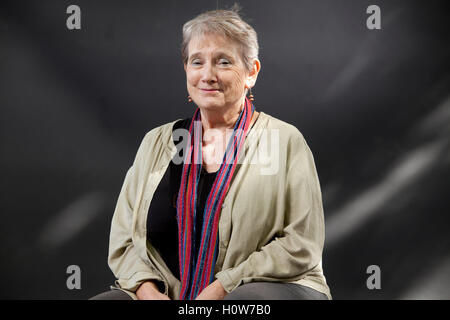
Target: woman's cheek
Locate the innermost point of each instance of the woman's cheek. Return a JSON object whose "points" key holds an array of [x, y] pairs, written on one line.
{"points": [[239, 80], [238, 86], [191, 79]]}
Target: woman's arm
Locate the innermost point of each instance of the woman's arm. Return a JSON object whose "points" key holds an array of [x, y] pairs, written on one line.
{"points": [[214, 291], [123, 258], [148, 290]]}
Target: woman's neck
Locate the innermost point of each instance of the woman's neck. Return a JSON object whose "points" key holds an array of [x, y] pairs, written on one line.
{"points": [[220, 119], [221, 122]]}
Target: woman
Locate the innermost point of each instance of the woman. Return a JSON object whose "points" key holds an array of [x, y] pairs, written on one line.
{"points": [[218, 224]]}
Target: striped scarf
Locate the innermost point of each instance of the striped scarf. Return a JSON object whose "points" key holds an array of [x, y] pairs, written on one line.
{"points": [[198, 272]]}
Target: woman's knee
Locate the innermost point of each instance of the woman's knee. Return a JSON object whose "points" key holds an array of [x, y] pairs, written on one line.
{"points": [[112, 295], [274, 291], [256, 291]]}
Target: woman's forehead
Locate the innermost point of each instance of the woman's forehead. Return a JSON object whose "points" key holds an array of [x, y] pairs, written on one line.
{"points": [[212, 43]]}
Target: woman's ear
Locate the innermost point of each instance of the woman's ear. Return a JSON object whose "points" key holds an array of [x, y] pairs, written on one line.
{"points": [[253, 74]]}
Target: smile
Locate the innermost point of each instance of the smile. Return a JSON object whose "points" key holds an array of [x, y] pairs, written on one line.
{"points": [[210, 90]]}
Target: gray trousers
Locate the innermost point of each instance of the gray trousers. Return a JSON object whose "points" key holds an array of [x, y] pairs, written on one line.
{"points": [[248, 291]]}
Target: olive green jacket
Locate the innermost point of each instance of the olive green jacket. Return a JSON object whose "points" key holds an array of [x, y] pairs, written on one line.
{"points": [[271, 226]]}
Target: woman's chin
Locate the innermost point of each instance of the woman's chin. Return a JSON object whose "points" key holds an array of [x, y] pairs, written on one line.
{"points": [[210, 104]]}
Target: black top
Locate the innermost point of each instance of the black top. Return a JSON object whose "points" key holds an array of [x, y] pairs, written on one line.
{"points": [[162, 228]]}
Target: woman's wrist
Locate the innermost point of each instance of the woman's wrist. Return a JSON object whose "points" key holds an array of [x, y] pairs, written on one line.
{"points": [[148, 285]]}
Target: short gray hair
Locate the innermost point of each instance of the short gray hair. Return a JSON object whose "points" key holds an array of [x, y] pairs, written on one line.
{"points": [[227, 23]]}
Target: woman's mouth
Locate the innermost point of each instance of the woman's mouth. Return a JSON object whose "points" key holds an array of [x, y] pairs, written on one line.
{"points": [[210, 90]]}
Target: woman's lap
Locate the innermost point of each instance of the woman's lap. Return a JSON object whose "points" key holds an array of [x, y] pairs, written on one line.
{"points": [[274, 291], [248, 291]]}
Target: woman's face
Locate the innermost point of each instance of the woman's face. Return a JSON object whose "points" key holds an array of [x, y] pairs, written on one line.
{"points": [[215, 73]]}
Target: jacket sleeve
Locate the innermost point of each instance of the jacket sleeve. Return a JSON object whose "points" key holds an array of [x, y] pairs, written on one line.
{"points": [[123, 257], [299, 247]]}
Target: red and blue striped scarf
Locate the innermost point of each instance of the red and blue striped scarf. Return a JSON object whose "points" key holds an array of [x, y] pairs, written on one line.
{"points": [[198, 272]]}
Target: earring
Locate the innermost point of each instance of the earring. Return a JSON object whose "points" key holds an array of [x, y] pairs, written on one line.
{"points": [[251, 98], [189, 99]]}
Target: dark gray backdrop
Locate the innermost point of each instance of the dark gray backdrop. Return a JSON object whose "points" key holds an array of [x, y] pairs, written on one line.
{"points": [[372, 104]]}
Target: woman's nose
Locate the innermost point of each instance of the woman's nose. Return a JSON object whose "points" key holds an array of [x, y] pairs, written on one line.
{"points": [[208, 73]]}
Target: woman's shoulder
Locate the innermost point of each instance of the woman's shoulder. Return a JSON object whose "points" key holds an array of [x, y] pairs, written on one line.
{"points": [[286, 130], [290, 140], [163, 133]]}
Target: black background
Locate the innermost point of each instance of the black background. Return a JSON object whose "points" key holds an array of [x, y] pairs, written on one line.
{"points": [[373, 106]]}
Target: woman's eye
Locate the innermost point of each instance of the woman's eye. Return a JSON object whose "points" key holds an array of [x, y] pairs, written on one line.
{"points": [[224, 61], [195, 62]]}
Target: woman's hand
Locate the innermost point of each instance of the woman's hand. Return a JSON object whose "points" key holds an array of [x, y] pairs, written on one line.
{"points": [[149, 291], [214, 291]]}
